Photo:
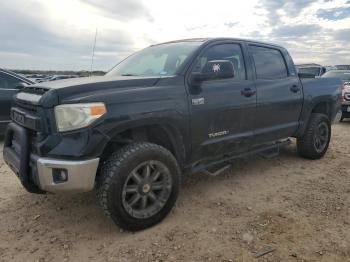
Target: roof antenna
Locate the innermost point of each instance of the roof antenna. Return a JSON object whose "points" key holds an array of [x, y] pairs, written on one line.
{"points": [[93, 53]]}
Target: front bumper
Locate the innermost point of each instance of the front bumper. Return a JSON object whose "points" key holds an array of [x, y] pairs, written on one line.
{"points": [[40, 174], [66, 176]]}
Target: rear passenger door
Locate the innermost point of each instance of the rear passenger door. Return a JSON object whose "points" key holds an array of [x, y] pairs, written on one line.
{"points": [[279, 95]]}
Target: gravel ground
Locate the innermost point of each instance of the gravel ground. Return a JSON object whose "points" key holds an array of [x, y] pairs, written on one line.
{"points": [[298, 209]]}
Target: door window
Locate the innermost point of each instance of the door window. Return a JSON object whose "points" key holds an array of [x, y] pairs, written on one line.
{"points": [[230, 52], [269, 63]]}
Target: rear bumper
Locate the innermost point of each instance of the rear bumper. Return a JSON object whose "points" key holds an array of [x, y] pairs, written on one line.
{"points": [[40, 174]]}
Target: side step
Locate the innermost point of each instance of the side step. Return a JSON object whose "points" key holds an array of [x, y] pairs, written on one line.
{"points": [[216, 172], [267, 151], [274, 149]]}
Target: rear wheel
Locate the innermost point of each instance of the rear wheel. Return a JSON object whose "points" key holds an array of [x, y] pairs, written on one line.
{"points": [[315, 140], [139, 185]]}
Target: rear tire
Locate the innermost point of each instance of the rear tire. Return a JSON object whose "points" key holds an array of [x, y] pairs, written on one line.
{"points": [[315, 140], [138, 185]]}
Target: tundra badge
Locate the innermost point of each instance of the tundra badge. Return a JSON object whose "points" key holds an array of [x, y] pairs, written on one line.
{"points": [[221, 133], [198, 101]]}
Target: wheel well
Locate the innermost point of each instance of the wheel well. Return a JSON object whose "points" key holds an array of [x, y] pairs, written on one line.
{"points": [[322, 108], [155, 134]]}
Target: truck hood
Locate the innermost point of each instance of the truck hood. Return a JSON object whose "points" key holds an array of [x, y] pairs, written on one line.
{"points": [[98, 82], [78, 88]]}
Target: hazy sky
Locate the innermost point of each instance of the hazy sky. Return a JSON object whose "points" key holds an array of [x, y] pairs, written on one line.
{"points": [[59, 34]]}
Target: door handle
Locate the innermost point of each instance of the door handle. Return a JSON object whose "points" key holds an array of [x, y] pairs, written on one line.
{"points": [[295, 88], [248, 92]]}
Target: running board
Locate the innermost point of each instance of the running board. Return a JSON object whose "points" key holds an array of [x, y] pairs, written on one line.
{"points": [[218, 171], [267, 151]]}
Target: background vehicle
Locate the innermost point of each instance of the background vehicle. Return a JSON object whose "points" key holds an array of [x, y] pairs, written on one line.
{"points": [[10, 84], [61, 77], [344, 75], [342, 67], [311, 70], [179, 106]]}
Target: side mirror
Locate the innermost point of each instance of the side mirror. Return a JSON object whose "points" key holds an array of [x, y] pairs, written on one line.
{"points": [[213, 70]]}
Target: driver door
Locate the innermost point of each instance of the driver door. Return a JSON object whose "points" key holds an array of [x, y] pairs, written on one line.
{"points": [[222, 115]]}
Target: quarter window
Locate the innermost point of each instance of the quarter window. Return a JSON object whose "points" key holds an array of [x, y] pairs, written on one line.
{"points": [[269, 63], [230, 52]]}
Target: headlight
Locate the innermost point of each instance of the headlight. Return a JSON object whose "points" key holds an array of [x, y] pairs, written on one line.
{"points": [[74, 116]]}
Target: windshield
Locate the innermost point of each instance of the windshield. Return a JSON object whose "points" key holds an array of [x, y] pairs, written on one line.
{"points": [[344, 75], [309, 70], [159, 60]]}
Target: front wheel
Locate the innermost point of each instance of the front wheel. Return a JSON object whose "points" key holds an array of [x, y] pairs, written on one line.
{"points": [[315, 140], [139, 185]]}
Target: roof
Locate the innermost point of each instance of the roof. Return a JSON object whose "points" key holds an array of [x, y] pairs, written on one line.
{"points": [[213, 39]]}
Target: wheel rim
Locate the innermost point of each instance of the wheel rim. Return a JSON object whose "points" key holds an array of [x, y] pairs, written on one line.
{"points": [[321, 137], [147, 189]]}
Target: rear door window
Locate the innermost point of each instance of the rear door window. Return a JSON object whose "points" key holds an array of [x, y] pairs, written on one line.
{"points": [[269, 63]]}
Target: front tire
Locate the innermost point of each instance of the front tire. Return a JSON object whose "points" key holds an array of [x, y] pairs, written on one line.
{"points": [[139, 185], [315, 140]]}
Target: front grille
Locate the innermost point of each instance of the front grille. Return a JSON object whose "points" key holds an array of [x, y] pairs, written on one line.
{"points": [[27, 107]]}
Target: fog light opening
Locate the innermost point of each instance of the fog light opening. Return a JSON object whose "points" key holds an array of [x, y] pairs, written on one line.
{"points": [[59, 175]]}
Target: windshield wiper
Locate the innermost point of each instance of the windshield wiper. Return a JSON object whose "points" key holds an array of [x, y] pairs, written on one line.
{"points": [[129, 75]]}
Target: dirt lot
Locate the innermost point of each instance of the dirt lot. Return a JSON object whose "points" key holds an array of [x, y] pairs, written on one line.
{"points": [[299, 208]]}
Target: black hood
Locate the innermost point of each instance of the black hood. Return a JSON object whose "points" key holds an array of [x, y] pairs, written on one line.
{"points": [[70, 89], [95, 83]]}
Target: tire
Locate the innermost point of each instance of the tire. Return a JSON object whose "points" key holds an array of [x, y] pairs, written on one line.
{"points": [[307, 145], [117, 177]]}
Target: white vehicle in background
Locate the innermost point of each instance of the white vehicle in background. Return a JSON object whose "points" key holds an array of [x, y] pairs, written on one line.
{"points": [[345, 76]]}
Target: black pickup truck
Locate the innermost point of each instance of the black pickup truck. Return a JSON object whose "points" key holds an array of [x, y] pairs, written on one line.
{"points": [[172, 108]]}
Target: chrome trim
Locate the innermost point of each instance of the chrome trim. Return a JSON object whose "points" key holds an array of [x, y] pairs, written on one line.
{"points": [[5, 121], [81, 175]]}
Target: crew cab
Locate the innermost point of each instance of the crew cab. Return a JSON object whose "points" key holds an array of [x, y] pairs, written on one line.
{"points": [[172, 108]]}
